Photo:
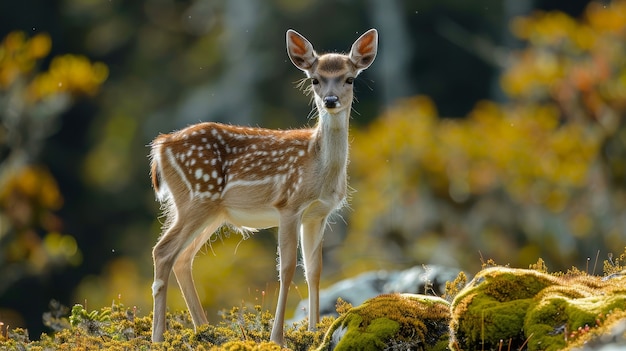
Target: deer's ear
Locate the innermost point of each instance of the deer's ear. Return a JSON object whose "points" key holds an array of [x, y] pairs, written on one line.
{"points": [[364, 50], [300, 51]]}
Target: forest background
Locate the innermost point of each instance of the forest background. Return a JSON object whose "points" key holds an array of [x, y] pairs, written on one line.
{"points": [[485, 129]]}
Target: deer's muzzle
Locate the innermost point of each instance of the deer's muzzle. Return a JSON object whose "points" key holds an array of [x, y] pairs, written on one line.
{"points": [[331, 101]]}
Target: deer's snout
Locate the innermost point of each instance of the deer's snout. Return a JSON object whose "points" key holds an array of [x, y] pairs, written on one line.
{"points": [[331, 101]]}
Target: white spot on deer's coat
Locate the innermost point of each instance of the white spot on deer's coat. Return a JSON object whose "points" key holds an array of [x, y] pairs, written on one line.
{"points": [[198, 173], [205, 194]]}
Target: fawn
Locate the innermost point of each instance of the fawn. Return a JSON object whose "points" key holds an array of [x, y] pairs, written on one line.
{"points": [[210, 174]]}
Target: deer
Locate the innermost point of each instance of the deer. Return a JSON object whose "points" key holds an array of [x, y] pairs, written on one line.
{"points": [[209, 174]]}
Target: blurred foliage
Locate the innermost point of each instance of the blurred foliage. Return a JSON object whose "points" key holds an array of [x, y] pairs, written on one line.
{"points": [[31, 101], [542, 174]]}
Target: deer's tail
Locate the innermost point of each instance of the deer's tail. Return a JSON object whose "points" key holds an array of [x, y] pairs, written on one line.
{"points": [[155, 167], [155, 177]]}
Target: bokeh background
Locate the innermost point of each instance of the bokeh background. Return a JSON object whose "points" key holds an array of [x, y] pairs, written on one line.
{"points": [[486, 129]]}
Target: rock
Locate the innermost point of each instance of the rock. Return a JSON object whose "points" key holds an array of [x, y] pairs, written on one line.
{"points": [[614, 340], [419, 279], [391, 321]]}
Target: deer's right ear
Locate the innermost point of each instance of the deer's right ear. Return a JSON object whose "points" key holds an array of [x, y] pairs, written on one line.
{"points": [[300, 51]]}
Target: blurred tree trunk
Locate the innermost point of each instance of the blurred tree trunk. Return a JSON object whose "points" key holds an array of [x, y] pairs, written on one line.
{"points": [[233, 97], [392, 62]]}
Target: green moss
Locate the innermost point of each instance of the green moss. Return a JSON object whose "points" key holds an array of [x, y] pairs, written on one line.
{"points": [[372, 337], [532, 308], [391, 319]]}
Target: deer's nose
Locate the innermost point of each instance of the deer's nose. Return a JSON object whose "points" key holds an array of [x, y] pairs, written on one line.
{"points": [[331, 101]]}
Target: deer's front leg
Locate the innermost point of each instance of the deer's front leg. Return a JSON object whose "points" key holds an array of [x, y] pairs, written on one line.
{"points": [[312, 237], [287, 258]]}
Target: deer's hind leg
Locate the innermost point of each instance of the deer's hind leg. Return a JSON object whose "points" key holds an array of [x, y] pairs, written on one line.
{"points": [[183, 272], [176, 240]]}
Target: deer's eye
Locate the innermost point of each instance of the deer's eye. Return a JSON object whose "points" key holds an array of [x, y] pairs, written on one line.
{"points": [[315, 81], [349, 80]]}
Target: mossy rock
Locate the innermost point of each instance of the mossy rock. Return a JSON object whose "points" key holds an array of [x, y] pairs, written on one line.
{"points": [[391, 320], [521, 308]]}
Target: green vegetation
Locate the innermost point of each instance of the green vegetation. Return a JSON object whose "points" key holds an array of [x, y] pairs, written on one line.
{"points": [[500, 308], [119, 328]]}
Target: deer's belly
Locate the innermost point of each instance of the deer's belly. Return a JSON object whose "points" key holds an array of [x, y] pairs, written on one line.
{"points": [[256, 218]]}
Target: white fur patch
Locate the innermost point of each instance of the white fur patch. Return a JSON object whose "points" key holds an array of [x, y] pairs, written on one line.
{"points": [[156, 286]]}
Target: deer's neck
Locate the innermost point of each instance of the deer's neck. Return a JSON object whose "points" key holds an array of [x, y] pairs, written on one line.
{"points": [[332, 141]]}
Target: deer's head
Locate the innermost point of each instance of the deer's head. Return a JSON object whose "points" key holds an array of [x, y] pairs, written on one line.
{"points": [[332, 75]]}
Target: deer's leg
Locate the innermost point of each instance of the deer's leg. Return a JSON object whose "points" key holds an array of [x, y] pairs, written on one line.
{"points": [[183, 272], [164, 254], [287, 255], [312, 237]]}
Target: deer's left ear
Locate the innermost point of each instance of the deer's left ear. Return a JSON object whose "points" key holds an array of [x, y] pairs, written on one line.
{"points": [[364, 50]]}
